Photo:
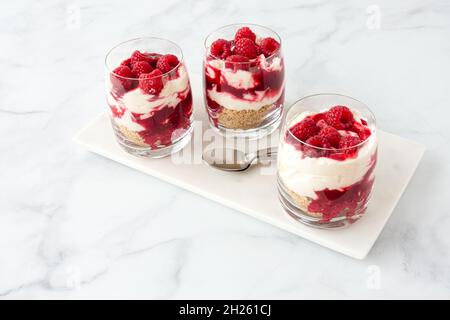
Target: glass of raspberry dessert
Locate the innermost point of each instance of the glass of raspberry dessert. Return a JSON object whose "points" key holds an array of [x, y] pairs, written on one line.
{"points": [[244, 80], [149, 96], [326, 160]]}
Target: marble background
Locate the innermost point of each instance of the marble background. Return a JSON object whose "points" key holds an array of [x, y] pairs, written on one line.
{"points": [[76, 225]]}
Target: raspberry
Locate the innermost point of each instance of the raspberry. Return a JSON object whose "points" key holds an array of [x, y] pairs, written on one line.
{"points": [[304, 129], [221, 48], [322, 124], [237, 58], [126, 63], [339, 117], [258, 50], [237, 62], [269, 46], [244, 32], [138, 56], [141, 67], [123, 71], [348, 142], [318, 141], [118, 78], [361, 129], [167, 63], [331, 134], [151, 82], [246, 47]]}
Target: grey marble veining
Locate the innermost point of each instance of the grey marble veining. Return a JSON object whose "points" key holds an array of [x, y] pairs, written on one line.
{"points": [[75, 225]]}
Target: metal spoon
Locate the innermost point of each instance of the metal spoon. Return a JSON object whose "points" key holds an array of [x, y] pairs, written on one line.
{"points": [[228, 159]]}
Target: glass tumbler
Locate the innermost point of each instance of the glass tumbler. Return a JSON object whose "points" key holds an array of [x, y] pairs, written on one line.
{"points": [[243, 97], [149, 96], [326, 160]]}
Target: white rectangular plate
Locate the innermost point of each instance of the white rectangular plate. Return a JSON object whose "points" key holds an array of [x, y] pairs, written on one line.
{"points": [[398, 159]]}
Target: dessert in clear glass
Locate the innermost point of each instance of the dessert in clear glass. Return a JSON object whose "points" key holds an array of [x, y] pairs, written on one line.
{"points": [[326, 160], [243, 71], [149, 96]]}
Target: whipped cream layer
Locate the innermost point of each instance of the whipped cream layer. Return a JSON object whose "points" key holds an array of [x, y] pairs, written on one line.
{"points": [[136, 103], [245, 80], [306, 175]]}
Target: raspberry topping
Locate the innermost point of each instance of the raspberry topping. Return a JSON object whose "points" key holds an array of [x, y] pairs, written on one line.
{"points": [[304, 129], [318, 141], [258, 50], [269, 46], [361, 129], [348, 142], [141, 67], [138, 56], [339, 117], [152, 82], [117, 78], [246, 47], [221, 48], [335, 129], [331, 134], [237, 58], [322, 124], [123, 71], [237, 62], [126, 62], [245, 32], [167, 63]]}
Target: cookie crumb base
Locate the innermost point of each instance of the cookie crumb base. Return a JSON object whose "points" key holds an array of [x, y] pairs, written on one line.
{"points": [[132, 136], [243, 119], [302, 203]]}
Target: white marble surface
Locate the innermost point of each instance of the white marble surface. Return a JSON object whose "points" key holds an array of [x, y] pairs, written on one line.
{"points": [[75, 225]]}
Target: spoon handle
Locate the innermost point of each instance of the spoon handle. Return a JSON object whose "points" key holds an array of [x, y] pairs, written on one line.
{"points": [[267, 154]]}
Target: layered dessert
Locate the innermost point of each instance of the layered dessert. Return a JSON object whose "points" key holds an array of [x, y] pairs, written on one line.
{"points": [[244, 81], [326, 163], [150, 100]]}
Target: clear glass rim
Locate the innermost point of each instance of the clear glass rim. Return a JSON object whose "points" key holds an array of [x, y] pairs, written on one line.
{"points": [[242, 25], [180, 59], [373, 130]]}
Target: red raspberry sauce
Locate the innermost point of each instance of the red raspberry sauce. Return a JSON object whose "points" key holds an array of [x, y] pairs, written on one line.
{"points": [[349, 201]]}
